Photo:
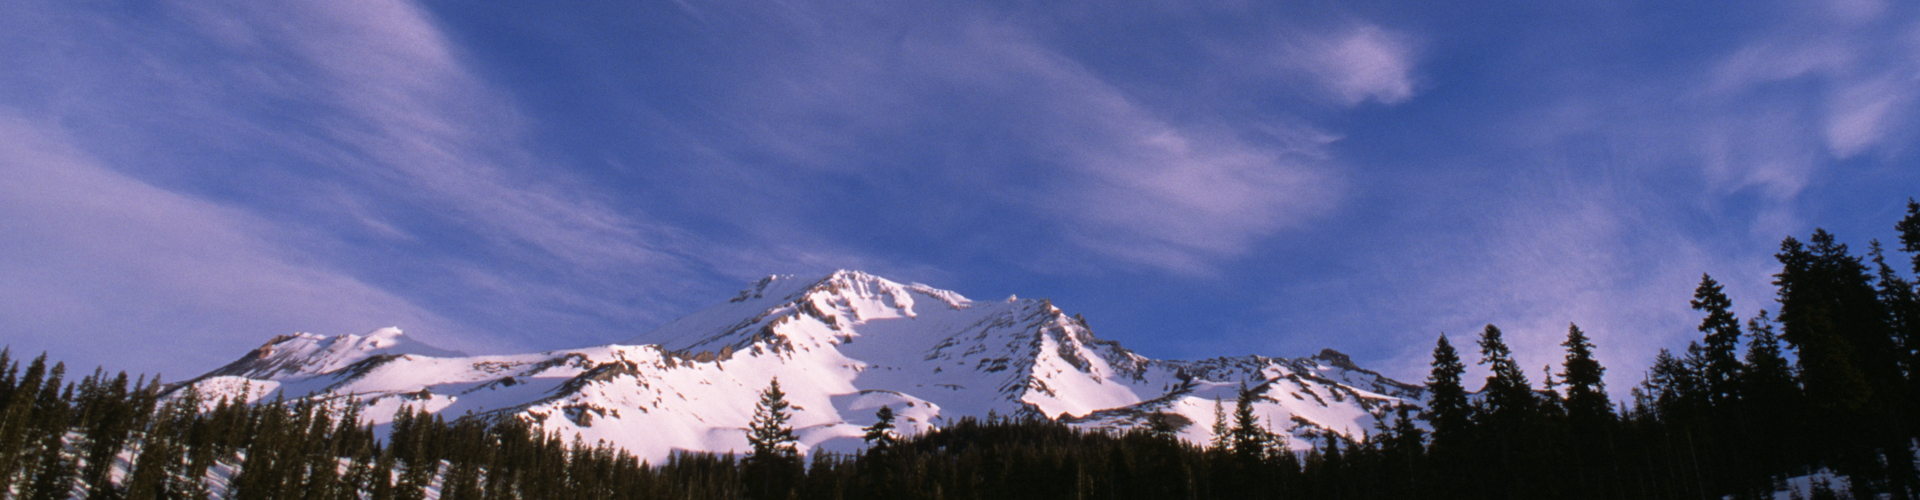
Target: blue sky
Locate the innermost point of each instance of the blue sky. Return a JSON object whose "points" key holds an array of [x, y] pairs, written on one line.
{"points": [[181, 180]]}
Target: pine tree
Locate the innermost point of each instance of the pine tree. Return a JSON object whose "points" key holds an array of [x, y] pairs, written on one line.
{"points": [[1249, 438], [1509, 399], [774, 459], [1166, 426], [1720, 378], [56, 471], [160, 457], [1588, 406], [1770, 398], [1673, 386], [1448, 411], [18, 425], [1831, 313], [1903, 306], [107, 418], [1909, 229], [769, 434], [880, 434], [1222, 437]]}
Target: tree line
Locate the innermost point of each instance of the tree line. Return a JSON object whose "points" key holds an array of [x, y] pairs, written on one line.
{"points": [[1829, 383]]}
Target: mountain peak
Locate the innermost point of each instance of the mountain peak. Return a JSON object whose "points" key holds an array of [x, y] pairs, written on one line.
{"points": [[844, 343], [302, 354]]}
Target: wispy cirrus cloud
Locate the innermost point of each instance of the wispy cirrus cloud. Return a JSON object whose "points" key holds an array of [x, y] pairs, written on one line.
{"points": [[1021, 127], [96, 258], [1628, 187], [310, 166], [1132, 184]]}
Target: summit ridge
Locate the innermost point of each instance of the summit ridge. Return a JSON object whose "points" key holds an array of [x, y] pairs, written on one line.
{"points": [[842, 345]]}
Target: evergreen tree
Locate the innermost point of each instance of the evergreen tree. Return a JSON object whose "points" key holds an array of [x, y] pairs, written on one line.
{"points": [[1909, 229], [1588, 407], [880, 434], [1249, 438], [1448, 411], [160, 457], [1222, 438], [1720, 353], [1831, 313], [53, 477], [769, 434], [1509, 396], [1165, 425], [1673, 386], [18, 424], [774, 459], [1450, 414]]}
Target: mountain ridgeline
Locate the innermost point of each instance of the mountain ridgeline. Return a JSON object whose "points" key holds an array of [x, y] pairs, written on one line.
{"points": [[843, 345], [854, 387]]}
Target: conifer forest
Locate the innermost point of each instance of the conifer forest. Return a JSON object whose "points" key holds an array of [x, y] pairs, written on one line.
{"points": [[1825, 384]]}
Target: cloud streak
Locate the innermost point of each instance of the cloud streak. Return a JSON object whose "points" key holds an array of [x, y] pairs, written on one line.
{"points": [[97, 258], [1133, 178], [312, 166]]}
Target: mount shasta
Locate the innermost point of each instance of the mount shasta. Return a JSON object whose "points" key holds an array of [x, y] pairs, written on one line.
{"points": [[842, 346]]}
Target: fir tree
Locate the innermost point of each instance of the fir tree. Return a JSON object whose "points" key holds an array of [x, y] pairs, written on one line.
{"points": [[769, 435], [1587, 403], [880, 434], [1831, 313], [1509, 396], [18, 424], [1448, 411], [1673, 386], [1720, 353], [1909, 229], [1249, 438], [1222, 438], [1166, 426], [774, 458]]}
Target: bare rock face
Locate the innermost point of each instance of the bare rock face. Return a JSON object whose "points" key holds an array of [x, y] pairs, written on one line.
{"points": [[842, 346]]}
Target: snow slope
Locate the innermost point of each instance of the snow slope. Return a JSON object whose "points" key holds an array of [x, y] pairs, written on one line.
{"points": [[842, 346]]}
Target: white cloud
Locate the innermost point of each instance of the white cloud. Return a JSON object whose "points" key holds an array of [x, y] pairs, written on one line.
{"points": [[96, 258], [1862, 112], [1138, 187], [1361, 63], [296, 131], [1112, 174], [1865, 81]]}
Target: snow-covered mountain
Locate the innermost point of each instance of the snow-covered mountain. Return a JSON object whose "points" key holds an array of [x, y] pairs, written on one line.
{"points": [[842, 346]]}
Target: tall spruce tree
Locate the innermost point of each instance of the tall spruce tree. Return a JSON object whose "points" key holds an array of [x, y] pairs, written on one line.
{"points": [[774, 458], [1909, 229], [1448, 411], [1832, 315], [1770, 397], [1249, 438], [18, 425], [1222, 435], [1509, 412], [769, 434], [1450, 414], [1903, 317], [1588, 407], [1720, 351], [1509, 396]]}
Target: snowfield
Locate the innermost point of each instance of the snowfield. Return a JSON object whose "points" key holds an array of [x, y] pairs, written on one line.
{"points": [[842, 346]]}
